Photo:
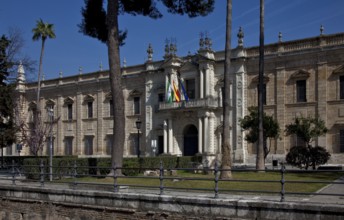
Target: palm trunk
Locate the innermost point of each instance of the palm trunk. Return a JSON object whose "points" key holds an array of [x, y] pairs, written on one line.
{"points": [[226, 147], [115, 84], [260, 162], [37, 112]]}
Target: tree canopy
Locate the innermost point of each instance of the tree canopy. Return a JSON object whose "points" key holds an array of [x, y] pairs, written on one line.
{"points": [[307, 128], [250, 123]]}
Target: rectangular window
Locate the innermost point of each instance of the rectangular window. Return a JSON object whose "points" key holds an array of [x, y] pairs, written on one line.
{"points": [[111, 108], [90, 109], [264, 93], [70, 111], [341, 87], [109, 144], [161, 97], [160, 144], [69, 146], [190, 88], [50, 112], [136, 105], [88, 145], [341, 141], [301, 91]]}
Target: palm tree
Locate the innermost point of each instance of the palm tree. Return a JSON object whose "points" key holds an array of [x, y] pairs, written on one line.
{"points": [[226, 148], [260, 162], [42, 31]]}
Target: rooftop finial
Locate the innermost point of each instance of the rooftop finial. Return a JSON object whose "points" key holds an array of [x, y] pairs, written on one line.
{"points": [[80, 70], [124, 62], [60, 74], [167, 49], [21, 73], [279, 37], [321, 30], [101, 66], [201, 40], [240, 36], [150, 52], [207, 42]]}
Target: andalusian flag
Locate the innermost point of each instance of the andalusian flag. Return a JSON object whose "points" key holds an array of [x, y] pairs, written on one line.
{"points": [[169, 95], [176, 92]]}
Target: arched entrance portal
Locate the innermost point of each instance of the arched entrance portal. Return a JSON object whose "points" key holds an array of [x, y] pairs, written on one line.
{"points": [[190, 140]]}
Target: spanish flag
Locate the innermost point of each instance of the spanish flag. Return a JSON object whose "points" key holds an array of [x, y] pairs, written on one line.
{"points": [[176, 92]]}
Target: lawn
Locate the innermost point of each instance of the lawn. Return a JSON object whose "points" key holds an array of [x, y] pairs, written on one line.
{"points": [[258, 181]]}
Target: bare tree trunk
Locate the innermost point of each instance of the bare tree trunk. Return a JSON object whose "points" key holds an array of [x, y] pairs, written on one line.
{"points": [[115, 84], [260, 162], [226, 147]]}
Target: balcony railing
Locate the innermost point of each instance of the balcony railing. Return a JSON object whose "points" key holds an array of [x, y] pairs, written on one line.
{"points": [[195, 103]]}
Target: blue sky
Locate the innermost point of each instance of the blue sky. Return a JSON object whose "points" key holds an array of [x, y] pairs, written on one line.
{"points": [[70, 50]]}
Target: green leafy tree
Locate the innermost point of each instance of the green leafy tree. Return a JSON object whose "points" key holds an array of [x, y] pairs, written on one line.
{"points": [[7, 125], [250, 123], [103, 25], [226, 161], [308, 129]]}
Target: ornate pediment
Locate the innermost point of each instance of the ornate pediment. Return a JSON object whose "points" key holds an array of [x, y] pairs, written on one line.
{"points": [[68, 100], [135, 93], [300, 74], [108, 96], [50, 102], [255, 80], [339, 70], [88, 98]]}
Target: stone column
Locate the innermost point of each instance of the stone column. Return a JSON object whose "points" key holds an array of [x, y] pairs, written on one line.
{"points": [[280, 108], [78, 131], [100, 131], [200, 135], [165, 136], [59, 131], [206, 132], [206, 84], [321, 97], [201, 84], [170, 136]]}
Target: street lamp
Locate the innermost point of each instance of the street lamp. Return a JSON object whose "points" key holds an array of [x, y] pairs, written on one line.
{"points": [[138, 126], [51, 117]]}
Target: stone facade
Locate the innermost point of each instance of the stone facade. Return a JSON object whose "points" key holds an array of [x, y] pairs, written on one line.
{"points": [[302, 77]]}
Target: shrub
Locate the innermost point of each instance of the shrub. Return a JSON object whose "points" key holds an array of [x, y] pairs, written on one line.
{"points": [[304, 157]]}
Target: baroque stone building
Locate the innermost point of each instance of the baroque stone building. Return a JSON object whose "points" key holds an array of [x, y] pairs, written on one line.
{"points": [[302, 77]]}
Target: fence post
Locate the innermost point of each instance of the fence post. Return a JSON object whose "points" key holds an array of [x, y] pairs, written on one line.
{"points": [[74, 174], [13, 174], [161, 177], [114, 168], [282, 182], [41, 167], [216, 170]]}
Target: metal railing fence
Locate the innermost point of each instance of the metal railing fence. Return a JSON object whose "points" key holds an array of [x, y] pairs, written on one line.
{"points": [[40, 175]]}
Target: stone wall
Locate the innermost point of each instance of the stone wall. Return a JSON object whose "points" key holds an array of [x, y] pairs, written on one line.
{"points": [[42, 203]]}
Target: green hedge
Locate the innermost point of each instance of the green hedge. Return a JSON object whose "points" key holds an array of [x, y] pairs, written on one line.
{"points": [[64, 166]]}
